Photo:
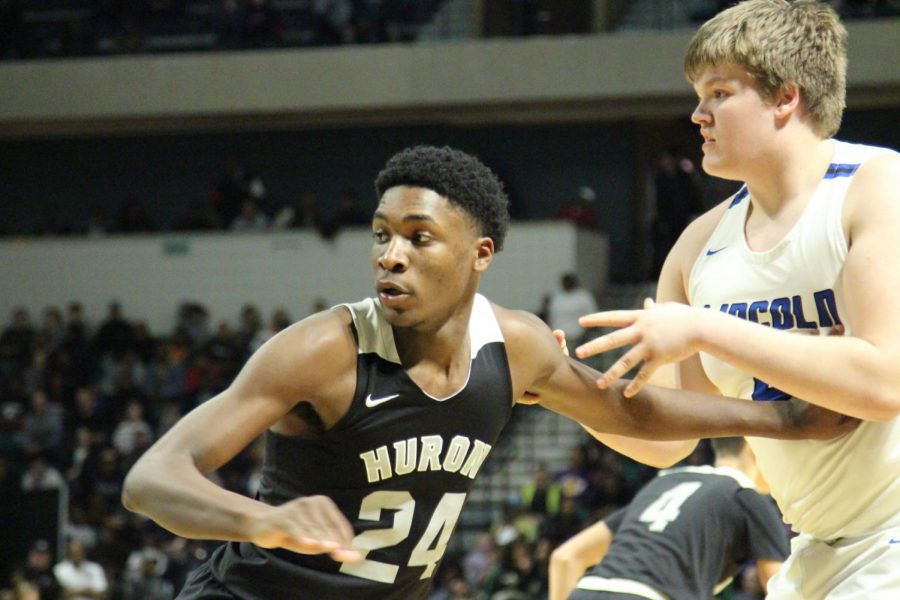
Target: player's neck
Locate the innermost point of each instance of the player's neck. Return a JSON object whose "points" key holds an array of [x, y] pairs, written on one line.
{"points": [[437, 358], [790, 173]]}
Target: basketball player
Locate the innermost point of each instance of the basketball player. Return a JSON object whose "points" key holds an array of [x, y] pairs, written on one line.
{"points": [[808, 245], [684, 536], [378, 415]]}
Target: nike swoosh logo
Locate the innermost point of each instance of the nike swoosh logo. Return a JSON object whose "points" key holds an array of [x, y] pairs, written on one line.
{"points": [[893, 541], [372, 402], [711, 252]]}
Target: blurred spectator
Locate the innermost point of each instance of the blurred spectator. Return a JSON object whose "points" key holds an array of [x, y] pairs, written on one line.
{"points": [[478, 562], [200, 216], [232, 188], [80, 578], [42, 432], [542, 495], [11, 33], [678, 200], [41, 476], [261, 26], [251, 218], [193, 320], [350, 213], [172, 371], [143, 344], [570, 520], [115, 334], [449, 583], [53, 331], [8, 482], [147, 582], [78, 529], [133, 217], [106, 482], [91, 413], [566, 305], [304, 214], [333, 22], [15, 342], [521, 577], [228, 21], [222, 349], [580, 210], [575, 478], [38, 570], [250, 324], [130, 428]]}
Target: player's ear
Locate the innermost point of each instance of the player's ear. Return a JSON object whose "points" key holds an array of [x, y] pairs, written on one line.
{"points": [[484, 253], [787, 100]]}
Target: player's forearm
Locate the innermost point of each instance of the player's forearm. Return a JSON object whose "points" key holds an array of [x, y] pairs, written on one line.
{"points": [[659, 454], [172, 492], [664, 414], [843, 373]]}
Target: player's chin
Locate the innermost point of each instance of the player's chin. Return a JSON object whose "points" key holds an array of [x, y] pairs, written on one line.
{"points": [[398, 317], [717, 167]]}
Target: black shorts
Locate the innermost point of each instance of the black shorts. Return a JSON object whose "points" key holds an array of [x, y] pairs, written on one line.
{"points": [[201, 585]]}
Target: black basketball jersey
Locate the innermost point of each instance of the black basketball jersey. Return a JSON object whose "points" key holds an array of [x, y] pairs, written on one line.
{"points": [[689, 530], [399, 465]]}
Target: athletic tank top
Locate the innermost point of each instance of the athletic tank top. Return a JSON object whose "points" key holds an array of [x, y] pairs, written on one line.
{"points": [[849, 486], [688, 532], [399, 465]]}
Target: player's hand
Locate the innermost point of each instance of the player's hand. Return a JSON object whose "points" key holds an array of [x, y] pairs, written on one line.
{"points": [[534, 397], [658, 334], [814, 422], [308, 525]]}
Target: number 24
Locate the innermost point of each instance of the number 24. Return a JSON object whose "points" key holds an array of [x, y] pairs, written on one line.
{"points": [[442, 521]]}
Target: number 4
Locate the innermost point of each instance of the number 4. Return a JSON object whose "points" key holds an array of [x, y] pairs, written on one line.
{"points": [[423, 555], [667, 507]]}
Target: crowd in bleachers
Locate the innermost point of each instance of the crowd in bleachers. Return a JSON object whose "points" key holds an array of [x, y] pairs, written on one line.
{"points": [[52, 28], [65, 28], [78, 406]]}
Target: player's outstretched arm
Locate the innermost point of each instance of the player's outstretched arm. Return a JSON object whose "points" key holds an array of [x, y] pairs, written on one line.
{"points": [[568, 387], [168, 482], [570, 560]]}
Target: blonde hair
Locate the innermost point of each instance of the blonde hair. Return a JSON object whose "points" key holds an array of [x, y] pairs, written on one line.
{"points": [[780, 42]]}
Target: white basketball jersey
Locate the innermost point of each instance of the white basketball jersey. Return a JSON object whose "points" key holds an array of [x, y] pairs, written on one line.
{"points": [[827, 489]]}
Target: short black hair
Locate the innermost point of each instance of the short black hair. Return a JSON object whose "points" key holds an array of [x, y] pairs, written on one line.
{"points": [[461, 178], [728, 446]]}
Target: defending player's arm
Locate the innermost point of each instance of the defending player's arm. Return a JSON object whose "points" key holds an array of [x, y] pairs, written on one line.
{"points": [[570, 560], [568, 387], [168, 483], [856, 375], [687, 374]]}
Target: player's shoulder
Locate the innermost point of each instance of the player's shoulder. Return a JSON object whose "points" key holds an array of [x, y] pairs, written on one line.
{"points": [[517, 321], [688, 247], [323, 339], [872, 196], [528, 339], [698, 231]]}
